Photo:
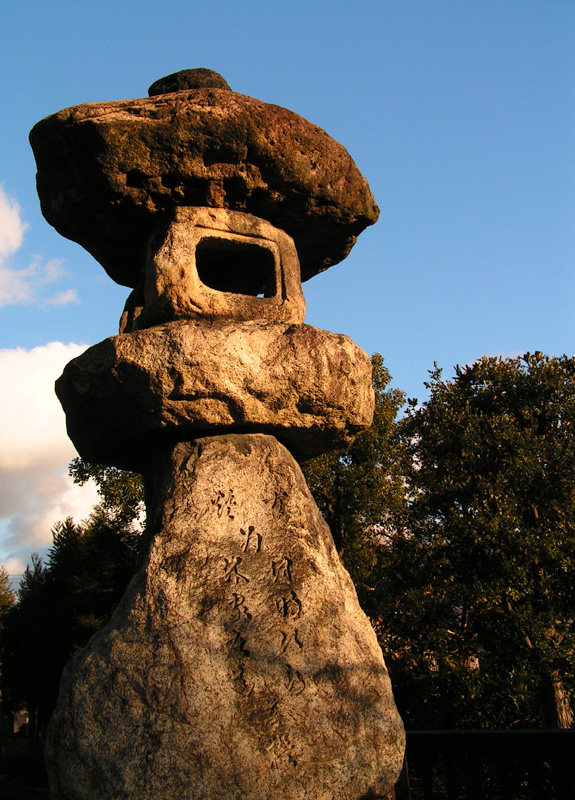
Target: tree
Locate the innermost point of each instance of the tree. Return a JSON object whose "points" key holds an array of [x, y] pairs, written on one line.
{"points": [[6, 602], [477, 597], [121, 492], [61, 604], [6, 593], [359, 488]]}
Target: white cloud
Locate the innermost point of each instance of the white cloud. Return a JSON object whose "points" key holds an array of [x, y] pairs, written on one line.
{"points": [[52, 270], [15, 287], [32, 425], [25, 286], [63, 298], [11, 226], [35, 490]]}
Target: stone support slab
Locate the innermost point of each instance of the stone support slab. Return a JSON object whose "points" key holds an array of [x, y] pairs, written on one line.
{"points": [[131, 393]]}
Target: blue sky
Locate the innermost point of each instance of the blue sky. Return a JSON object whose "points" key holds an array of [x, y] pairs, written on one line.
{"points": [[461, 115]]}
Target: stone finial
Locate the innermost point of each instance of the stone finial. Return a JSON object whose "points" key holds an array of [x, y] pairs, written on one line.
{"points": [[198, 78]]}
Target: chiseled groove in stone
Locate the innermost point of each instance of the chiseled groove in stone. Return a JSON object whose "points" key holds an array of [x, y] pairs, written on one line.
{"points": [[173, 382]]}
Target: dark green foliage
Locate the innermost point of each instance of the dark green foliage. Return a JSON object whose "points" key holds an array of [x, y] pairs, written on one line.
{"points": [[121, 492], [478, 593], [6, 594], [359, 490], [61, 603], [6, 602], [457, 524]]}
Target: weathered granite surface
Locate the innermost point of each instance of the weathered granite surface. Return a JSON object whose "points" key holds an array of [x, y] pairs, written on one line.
{"points": [[239, 664], [108, 171], [130, 393]]}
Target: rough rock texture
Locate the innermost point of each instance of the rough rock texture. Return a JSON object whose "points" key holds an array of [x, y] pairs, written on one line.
{"points": [[107, 171], [210, 263], [239, 664], [126, 395], [198, 78]]}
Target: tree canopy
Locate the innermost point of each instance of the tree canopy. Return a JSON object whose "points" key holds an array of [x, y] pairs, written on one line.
{"points": [[121, 492], [6, 594], [359, 489], [477, 598], [60, 604]]}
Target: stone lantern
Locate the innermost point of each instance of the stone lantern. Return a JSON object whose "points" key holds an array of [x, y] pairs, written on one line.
{"points": [[238, 665]]}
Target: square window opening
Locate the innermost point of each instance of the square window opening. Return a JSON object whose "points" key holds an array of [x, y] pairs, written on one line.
{"points": [[229, 265]]}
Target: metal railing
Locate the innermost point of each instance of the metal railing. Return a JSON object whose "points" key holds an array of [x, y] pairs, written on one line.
{"points": [[488, 765]]}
